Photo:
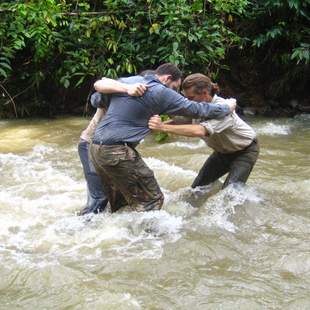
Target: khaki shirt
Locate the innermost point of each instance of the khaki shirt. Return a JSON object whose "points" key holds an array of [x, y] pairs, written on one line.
{"points": [[88, 133], [229, 134]]}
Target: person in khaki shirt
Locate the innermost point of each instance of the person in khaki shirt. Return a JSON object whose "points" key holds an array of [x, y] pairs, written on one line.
{"points": [[234, 142]]}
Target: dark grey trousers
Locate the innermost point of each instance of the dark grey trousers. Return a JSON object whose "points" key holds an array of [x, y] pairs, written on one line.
{"points": [[238, 165]]}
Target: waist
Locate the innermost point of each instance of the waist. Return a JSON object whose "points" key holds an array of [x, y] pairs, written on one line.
{"points": [[86, 136], [130, 144], [253, 146], [228, 146], [254, 141]]}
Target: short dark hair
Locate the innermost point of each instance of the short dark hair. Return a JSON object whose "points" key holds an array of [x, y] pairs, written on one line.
{"points": [[170, 69]]}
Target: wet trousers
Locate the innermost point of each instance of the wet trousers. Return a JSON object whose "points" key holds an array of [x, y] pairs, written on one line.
{"points": [[238, 165], [96, 198], [128, 180]]}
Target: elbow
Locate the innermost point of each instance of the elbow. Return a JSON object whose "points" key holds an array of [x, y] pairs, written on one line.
{"points": [[96, 85], [100, 85]]}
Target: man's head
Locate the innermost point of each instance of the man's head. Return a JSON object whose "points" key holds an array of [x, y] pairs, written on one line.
{"points": [[170, 75], [199, 87]]}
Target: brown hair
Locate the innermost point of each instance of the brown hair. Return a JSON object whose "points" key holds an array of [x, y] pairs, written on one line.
{"points": [[199, 83], [170, 69]]}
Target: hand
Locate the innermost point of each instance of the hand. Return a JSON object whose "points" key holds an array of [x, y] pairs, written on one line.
{"points": [[136, 90], [232, 103], [155, 122]]}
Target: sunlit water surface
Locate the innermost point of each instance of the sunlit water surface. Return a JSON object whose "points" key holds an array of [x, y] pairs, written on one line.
{"points": [[207, 249]]}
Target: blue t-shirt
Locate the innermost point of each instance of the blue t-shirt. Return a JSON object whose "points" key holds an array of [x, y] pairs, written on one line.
{"points": [[127, 117]]}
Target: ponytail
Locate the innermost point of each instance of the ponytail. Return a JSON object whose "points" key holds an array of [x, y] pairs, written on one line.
{"points": [[215, 89]]}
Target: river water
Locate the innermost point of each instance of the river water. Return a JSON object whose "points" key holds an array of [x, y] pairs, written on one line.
{"points": [[207, 249]]}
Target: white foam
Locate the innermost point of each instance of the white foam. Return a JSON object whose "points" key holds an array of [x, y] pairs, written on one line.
{"points": [[39, 192], [131, 235], [221, 206], [303, 117], [169, 169], [185, 145], [42, 149], [272, 129]]}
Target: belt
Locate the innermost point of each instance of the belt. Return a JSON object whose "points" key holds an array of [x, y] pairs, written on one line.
{"points": [[114, 143]]}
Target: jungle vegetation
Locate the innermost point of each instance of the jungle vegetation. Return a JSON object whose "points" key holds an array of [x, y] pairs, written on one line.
{"points": [[52, 51]]}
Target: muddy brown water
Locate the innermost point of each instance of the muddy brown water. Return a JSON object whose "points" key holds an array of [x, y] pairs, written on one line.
{"points": [[207, 249]]}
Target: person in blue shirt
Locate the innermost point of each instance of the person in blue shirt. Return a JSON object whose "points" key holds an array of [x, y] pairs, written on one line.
{"points": [[113, 150]]}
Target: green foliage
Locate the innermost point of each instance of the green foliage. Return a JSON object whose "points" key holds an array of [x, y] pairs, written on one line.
{"points": [[301, 53], [52, 48], [279, 35], [282, 26], [162, 136], [66, 43]]}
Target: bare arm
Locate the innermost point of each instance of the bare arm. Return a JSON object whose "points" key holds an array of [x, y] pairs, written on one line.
{"points": [[109, 86], [88, 132], [192, 130]]}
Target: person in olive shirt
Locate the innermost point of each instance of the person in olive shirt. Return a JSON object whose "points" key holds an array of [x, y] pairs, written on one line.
{"points": [[234, 142], [130, 181]]}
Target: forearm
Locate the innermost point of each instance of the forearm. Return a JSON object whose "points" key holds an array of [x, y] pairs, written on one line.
{"points": [[109, 86], [184, 130]]}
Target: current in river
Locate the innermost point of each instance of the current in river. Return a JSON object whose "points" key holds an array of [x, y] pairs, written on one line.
{"points": [[240, 248]]}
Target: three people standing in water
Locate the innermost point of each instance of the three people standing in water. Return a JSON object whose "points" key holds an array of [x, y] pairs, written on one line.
{"points": [[127, 179]]}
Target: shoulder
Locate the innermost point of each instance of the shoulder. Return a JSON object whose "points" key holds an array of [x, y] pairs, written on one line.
{"points": [[132, 79], [218, 99]]}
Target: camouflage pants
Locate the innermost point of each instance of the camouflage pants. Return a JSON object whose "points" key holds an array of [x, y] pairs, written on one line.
{"points": [[128, 180]]}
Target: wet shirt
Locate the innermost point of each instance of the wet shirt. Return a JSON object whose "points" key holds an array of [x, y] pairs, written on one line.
{"points": [[127, 117], [229, 134]]}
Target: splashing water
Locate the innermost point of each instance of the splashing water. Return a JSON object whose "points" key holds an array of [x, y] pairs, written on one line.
{"points": [[207, 249], [271, 129]]}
